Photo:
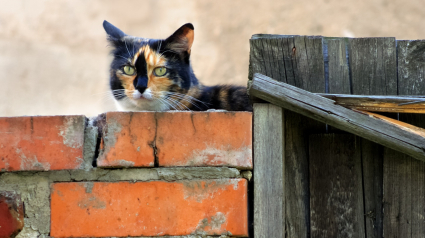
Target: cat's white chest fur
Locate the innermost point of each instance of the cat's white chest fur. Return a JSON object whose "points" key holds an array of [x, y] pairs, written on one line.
{"points": [[142, 102], [127, 104]]}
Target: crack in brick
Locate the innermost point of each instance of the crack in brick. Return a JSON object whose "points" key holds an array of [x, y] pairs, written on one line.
{"points": [[100, 123], [153, 143], [193, 123], [212, 155]]}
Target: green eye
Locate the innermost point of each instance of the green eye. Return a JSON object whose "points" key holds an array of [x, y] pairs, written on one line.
{"points": [[129, 70], [160, 71]]}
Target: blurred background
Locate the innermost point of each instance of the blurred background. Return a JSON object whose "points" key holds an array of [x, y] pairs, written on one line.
{"points": [[54, 56]]}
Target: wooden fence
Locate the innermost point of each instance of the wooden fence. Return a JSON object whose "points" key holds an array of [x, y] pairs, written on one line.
{"points": [[313, 180]]}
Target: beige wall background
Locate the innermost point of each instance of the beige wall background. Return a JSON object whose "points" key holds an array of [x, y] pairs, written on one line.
{"points": [[54, 56]]}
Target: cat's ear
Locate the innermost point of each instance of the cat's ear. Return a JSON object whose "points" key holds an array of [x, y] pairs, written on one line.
{"points": [[181, 41], [114, 34]]}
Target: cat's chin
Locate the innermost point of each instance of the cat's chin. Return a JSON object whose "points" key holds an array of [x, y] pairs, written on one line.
{"points": [[141, 104]]}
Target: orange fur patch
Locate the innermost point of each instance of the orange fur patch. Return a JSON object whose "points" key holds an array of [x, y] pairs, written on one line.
{"points": [[127, 83], [152, 57], [224, 92], [153, 60]]}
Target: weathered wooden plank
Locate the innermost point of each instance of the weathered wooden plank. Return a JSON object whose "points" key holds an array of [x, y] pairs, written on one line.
{"points": [[404, 182], [373, 65], [339, 81], [397, 194], [372, 160], [298, 60], [324, 110], [394, 104], [338, 74], [289, 61], [405, 126], [373, 70], [336, 186], [417, 182], [338, 70], [308, 73], [404, 202], [269, 209], [411, 67], [269, 54]]}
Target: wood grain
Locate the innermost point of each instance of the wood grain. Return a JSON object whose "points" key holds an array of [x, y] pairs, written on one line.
{"points": [[379, 103], [338, 68], [373, 71], [269, 209], [373, 66], [404, 181], [336, 186]]}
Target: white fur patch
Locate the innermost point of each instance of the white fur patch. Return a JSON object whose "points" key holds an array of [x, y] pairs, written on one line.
{"points": [[142, 104], [137, 94]]}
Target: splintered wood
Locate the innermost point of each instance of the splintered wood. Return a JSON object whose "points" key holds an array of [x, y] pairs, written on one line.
{"points": [[408, 140], [396, 104]]}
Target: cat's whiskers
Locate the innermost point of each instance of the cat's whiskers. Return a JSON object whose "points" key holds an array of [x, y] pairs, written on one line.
{"points": [[173, 100], [178, 103], [125, 42], [165, 102], [181, 107], [166, 52], [127, 59], [185, 95], [187, 98], [133, 48], [181, 98], [107, 96], [110, 92], [159, 46]]}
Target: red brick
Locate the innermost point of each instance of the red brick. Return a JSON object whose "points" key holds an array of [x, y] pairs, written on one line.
{"points": [[41, 143], [128, 140], [205, 139], [11, 214], [155, 208]]}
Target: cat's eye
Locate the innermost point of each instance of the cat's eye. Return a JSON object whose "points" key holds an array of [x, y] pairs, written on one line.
{"points": [[129, 70], [160, 71]]}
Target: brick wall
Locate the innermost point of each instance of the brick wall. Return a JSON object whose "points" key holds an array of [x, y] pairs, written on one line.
{"points": [[126, 174]]}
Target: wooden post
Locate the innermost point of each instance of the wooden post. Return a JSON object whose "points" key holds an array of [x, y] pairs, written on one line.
{"points": [[269, 210], [373, 66], [404, 180], [298, 61]]}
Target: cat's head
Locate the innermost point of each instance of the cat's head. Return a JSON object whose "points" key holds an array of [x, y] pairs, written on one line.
{"points": [[150, 74]]}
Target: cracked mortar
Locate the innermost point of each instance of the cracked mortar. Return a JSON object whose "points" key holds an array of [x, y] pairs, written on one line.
{"points": [[34, 187], [35, 193]]}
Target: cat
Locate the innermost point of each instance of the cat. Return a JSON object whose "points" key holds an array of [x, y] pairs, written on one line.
{"points": [[156, 75]]}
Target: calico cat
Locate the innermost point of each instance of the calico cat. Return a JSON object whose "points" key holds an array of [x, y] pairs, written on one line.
{"points": [[156, 75]]}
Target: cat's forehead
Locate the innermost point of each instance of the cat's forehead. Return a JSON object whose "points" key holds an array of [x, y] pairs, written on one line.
{"points": [[147, 48], [150, 55]]}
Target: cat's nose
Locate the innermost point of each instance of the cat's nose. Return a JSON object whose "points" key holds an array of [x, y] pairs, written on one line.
{"points": [[141, 89]]}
